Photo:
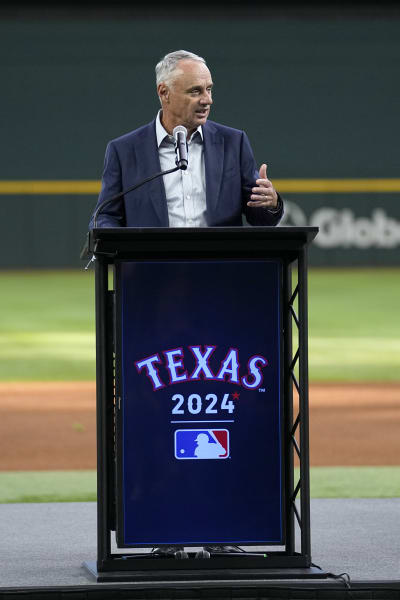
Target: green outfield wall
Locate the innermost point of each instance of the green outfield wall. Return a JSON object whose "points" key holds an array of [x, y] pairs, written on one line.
{"points": [[316, 94]]}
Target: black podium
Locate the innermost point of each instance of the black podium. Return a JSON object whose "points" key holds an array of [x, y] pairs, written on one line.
{"points": [[202, 402]]}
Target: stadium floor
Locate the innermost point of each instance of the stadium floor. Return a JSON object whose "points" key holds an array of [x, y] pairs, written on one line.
{"points": [[46, 544]]}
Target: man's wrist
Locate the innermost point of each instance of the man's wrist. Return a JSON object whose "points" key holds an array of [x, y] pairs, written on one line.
{"points": [[278, 206]]}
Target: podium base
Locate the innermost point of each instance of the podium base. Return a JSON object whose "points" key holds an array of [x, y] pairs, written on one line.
{"points": [[203, 576]]}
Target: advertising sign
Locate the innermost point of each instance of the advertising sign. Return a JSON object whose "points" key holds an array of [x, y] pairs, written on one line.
{"points": [[354, 229], [199, 425]]}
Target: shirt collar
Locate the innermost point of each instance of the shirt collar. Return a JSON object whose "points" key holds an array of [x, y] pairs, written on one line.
{"points": [[162, 133]]}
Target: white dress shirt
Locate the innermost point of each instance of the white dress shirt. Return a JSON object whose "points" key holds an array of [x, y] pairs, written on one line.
{"points": [[185, 190]]}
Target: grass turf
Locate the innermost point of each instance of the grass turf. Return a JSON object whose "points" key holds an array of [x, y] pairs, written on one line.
{"points": [[47, 333], [354, 325], [47, 486], [47, 330], [80, 486]]}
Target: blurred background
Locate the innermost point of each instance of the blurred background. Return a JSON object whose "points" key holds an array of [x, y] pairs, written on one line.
{"points": [[315, 88]]}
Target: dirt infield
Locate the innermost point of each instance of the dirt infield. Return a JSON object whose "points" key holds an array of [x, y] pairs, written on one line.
{"points": [[47, 426]]}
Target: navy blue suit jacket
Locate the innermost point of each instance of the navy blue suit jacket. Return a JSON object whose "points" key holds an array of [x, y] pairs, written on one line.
{"points": [[230, 174]]}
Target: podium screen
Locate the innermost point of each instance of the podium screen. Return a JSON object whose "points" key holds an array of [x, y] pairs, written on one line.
{"points": [[199, 425]]}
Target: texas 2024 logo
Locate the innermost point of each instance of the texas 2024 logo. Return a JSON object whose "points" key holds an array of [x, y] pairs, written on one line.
{"points": [[168, 367]]}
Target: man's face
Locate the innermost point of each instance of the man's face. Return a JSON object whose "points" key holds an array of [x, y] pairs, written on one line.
{"points": [[188, 99]]}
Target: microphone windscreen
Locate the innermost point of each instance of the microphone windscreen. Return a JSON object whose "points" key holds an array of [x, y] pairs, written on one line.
{"points": [[179, 129]]}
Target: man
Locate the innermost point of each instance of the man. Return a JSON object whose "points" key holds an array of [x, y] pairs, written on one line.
{"points": [[221, 183]]}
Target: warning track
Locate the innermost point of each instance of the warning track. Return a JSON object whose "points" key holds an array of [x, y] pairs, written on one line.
{"points": [[51, 426]]}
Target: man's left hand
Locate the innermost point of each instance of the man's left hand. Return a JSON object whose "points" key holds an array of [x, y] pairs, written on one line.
{"points": [[264, 194]]}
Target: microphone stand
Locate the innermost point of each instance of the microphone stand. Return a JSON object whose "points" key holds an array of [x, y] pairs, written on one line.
{"points": [[134, 187], [119, 195]]}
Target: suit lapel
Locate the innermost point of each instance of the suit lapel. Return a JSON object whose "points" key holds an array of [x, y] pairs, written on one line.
{"points": [[214, 162], [148, 163]]}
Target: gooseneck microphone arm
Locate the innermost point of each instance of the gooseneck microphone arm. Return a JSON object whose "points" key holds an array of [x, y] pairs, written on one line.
{"points": [[134, 187]]}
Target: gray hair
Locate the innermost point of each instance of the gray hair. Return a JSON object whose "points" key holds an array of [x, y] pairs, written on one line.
{"points": [[167, 65]]}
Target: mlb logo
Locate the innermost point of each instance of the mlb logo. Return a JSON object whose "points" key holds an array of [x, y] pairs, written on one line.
{"points": [[193, 444]]}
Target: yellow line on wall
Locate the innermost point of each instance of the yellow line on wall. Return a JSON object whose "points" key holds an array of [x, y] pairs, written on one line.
{"points": [[50, 187], [337, 185], [309, 186]]}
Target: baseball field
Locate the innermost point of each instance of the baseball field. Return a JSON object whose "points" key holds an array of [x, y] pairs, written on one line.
{"points": [[47, 389]]}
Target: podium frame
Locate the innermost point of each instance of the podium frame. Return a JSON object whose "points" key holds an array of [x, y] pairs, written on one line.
{"points": [[288, 244]]}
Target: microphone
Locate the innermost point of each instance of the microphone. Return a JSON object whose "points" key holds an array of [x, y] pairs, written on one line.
{"points": [[181, 149]]}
